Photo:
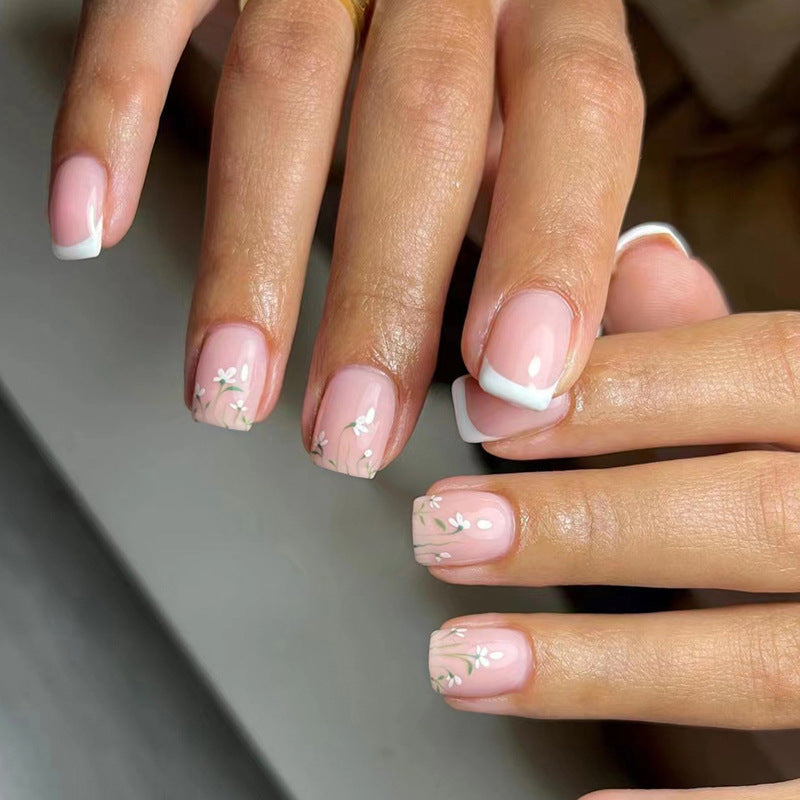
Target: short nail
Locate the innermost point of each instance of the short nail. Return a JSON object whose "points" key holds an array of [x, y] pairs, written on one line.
{"points": [[653, 229], [354, 421], [461, 527], [479, 662], [480, 417], [76, 208], [230, 377], [527, 349]]}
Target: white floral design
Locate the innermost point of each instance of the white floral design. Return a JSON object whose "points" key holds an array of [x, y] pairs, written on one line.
{"points": [[460, 632], [362, 423], [453, 680], [483, 657], [434, 501], [238, 405], [224, 376], [440, 556], [199, 391], [458, 522]]}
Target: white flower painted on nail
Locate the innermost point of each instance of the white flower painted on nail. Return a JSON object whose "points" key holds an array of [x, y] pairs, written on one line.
{"points": [[459, 522], [483, 657], [362, 423], [453, 680], [245, 373], [238, 405], [321, 440], [225, 376], [440, 556], [434, 501], [199, 391], [368, 454], [484, 524], [460, 632]]}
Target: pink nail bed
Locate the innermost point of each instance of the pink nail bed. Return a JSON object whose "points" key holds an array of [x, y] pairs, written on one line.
{"points": [[527, 349], [230, 377], [479, 662], [354, 421], [480, 417], [76, 208], [461, 527]]}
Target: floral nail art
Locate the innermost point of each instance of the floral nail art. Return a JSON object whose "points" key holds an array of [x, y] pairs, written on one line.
{"points": [[479, 661], [353, 422], [450, 658], [461, 527], [215, 410]]}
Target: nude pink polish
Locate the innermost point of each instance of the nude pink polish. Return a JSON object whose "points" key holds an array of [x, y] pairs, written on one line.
{"points": [[480, 417], [230, 377], [479, 662], [354, 422], [76, 208], [527, 349], [461, 527]]}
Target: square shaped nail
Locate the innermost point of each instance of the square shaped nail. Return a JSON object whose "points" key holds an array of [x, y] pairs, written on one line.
{"points": [[479, 662], [230, 377], [76, 208], [461, 527], [354, 421], [527, 349]]}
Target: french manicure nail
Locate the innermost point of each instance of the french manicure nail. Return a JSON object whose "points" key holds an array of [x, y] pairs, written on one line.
{"points": [[480, 417], [354, 421], [76, 208], [461, 527], [647, 229], [230, 377], [527, 349], [479, 662]]}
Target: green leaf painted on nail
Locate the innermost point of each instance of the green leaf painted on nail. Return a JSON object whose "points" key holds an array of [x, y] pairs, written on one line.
{"points": [[440, 524]]}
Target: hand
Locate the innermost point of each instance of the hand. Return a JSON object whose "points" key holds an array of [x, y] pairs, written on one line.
{"points": [[419, 149], [726, 521]]}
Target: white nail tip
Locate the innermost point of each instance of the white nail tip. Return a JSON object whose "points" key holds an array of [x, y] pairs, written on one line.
{"points": [[89, 248], [653, 229], [466, 430], [529, 396]]}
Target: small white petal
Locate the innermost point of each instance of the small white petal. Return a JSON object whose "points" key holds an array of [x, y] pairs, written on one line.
{"points": [[370, 415]]}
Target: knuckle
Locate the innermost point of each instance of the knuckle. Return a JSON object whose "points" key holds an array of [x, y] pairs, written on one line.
{"points": [[130, 92], [782, 344], [773, 664], [432, 91], [778, 507], [601, 75], [281, 51]]}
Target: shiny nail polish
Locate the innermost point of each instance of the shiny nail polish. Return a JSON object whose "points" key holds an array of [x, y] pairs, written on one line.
{"points": [[230, 377], [76, 208], [354, 422], [527, 349]]}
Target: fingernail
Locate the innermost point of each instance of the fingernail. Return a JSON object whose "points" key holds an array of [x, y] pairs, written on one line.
{"points": [[527, 349], [646, 229], [480, 417], [461, 527], [479, 662], [354, 421], [76, 208], [230, 377]]}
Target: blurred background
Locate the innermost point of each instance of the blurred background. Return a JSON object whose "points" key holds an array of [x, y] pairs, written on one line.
{"points": [[177, 619]]}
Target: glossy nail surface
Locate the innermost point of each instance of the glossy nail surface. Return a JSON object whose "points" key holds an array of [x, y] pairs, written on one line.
{"points": [[480, 417], [479, 662], [649, 229], [527, 349], [354, 421], [461, 527], [230, 377], [76, 208]]}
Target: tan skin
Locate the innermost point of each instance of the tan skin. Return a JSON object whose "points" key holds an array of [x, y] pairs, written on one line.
{"points": [[420, 148]]}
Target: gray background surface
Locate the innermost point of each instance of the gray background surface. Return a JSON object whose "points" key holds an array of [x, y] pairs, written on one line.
{"points": [[293, 590]]}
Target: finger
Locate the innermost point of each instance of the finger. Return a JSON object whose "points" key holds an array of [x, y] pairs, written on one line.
{"points": [[573, 115], [657, 284], [774, 791], [415, 154], [726, 381], [724, 522], [124, 60], [732, 667], [277, 112]]}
